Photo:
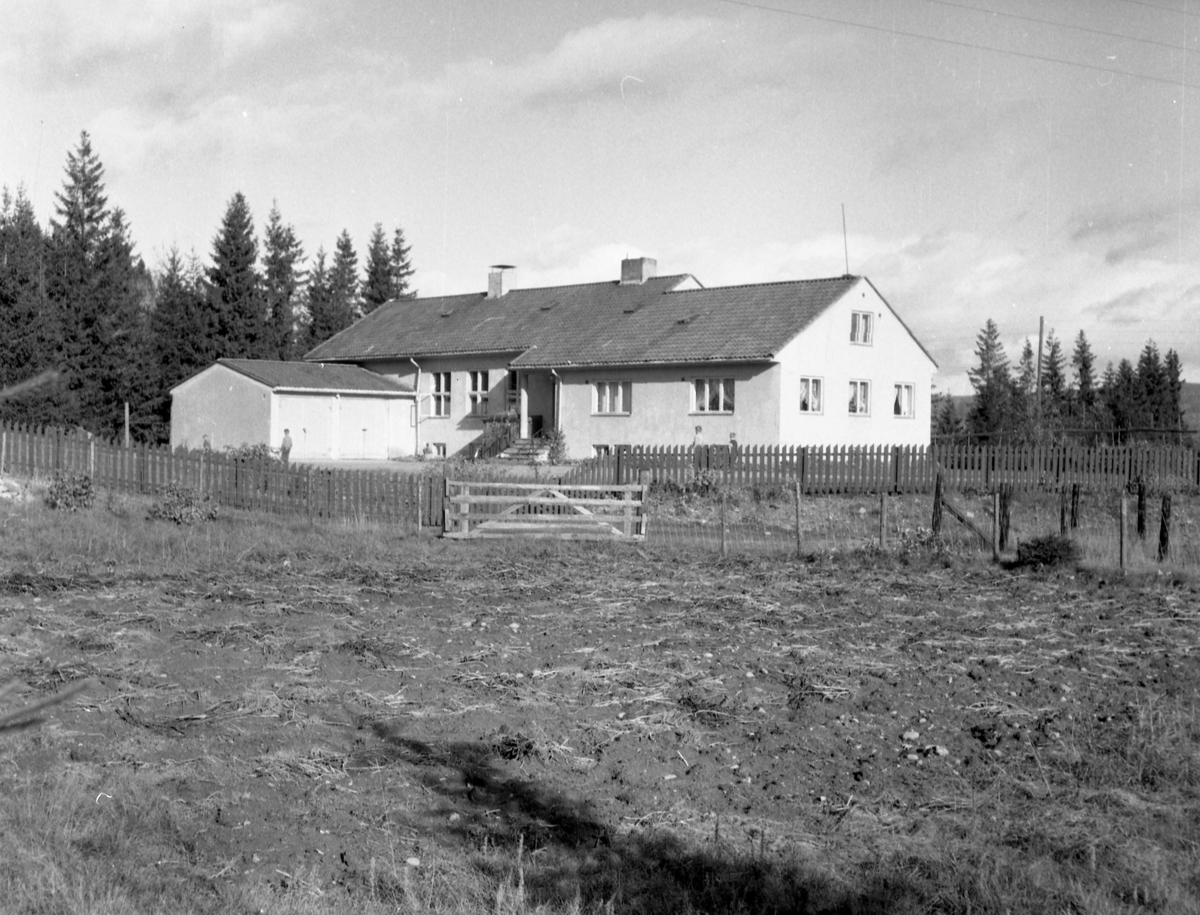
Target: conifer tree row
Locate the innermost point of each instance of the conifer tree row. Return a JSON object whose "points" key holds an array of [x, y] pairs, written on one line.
{"points": [[1127, 403], [78, 305]]}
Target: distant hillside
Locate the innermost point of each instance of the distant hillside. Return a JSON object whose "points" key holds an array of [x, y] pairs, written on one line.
{"points": [[1189, 399]]}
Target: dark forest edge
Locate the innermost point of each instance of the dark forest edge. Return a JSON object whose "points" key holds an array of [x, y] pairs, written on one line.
{"points": [[1041, 402], [81, 311]]}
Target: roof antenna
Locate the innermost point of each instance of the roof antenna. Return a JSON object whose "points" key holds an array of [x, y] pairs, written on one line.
{"points": [[845, 243]]}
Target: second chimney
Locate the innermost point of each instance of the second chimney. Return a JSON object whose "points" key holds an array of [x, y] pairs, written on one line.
{"points": [[636, 270], [496, 280]]}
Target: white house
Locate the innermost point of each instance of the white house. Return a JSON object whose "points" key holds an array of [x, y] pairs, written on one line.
{"points": [[652, 360], [332, 411]]}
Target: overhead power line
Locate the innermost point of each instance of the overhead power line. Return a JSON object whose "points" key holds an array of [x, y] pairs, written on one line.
{"points": [[1059, 25], [890, 30]]}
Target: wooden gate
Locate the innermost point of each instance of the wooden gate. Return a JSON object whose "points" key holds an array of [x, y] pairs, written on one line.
{"points": [[568, 512]]}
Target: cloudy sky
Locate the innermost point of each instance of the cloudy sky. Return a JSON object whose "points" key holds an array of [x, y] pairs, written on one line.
{"points": [[1011, 159]]}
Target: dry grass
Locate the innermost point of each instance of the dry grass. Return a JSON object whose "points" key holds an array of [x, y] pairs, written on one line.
{"points": [[465, 718]]}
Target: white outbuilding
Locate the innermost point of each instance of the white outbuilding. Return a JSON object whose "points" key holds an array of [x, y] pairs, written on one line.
{"points": [[331, 411]]}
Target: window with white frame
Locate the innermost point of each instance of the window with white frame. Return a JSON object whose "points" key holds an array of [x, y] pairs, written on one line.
{"points": [[860, 398], [861, 327], [477, 394], [601, 450], [512, 392], [712, 395], [613, 397], [810, 395], [441, 394], [903, 404]]}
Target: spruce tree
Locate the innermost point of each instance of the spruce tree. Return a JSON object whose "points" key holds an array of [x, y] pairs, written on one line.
{"points": [[1054, 397], [947, 424], [402, 268], [1173, 375], [180, 337], [1151, 389], [282, 279], [1023, 408], [1085, 372], [99, 290], [323, 322], [234, 288], [377, 287], [992, 382], [345, 305], [29, 337]]}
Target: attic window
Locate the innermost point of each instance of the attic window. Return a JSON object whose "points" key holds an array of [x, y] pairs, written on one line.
{"points": [[446, 314], [689, 319], [549, 305]]}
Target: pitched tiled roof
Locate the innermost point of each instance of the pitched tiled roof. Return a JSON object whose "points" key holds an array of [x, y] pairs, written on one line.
{"points": [[595, 324], [314, 376], [473, 323], [722, 324]]}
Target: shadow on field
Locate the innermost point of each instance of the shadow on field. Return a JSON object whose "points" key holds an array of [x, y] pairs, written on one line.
{"points": [[564, 850]]}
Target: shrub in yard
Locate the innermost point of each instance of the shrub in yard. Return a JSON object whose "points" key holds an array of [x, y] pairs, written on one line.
{"points": [[183, 505], [70, 491], [1053, 550], [258, 454]]}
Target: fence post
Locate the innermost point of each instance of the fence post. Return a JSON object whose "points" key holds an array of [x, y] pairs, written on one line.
{"points": [[1062, 511], [1121, 534], [723, 547], [996, 526], [1074, 506], [936, 522], [882, 518], [1164, 529], [1141, 508], [1006, 491], [797, 519]]}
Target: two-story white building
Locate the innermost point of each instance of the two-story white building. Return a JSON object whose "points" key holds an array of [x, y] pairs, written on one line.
{"points": [[649, 360]]}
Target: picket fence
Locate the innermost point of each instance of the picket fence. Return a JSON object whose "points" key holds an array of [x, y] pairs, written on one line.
{"points": [[896, 469], [418, 499], [254, 484]]}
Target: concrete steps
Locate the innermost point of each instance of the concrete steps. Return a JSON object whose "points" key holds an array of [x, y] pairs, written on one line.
{"points": [[527, 450]]}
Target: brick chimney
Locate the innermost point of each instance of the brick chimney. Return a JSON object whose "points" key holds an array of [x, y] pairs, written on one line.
{"points": [[636, 270], [496, 280]]}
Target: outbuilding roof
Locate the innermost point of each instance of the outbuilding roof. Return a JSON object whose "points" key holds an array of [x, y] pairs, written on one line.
{"points": [[315, 376], [663, 320]]}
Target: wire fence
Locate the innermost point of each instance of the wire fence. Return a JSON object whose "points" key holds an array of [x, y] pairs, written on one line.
{"points": [[735, 523]]}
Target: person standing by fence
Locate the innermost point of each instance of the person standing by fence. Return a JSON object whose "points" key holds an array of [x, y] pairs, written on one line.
{"points": [[285, 447]]}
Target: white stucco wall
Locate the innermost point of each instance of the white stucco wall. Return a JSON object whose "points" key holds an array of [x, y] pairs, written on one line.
{"points": [[233, 410], [459, 429], [222, 404], [662, 411], [824, 350]]}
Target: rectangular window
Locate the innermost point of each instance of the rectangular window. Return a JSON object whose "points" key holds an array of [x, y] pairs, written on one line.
{"points": [[613, 397], [477, 396], [439, 449], [601, 450], [860, 398], [512, 392], [712, 395], [861, 327], [904, 405], [810, 395], [441, 394]]}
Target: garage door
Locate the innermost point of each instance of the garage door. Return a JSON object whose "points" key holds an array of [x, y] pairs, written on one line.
{"points": [[310, 418], [364, 428]]}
